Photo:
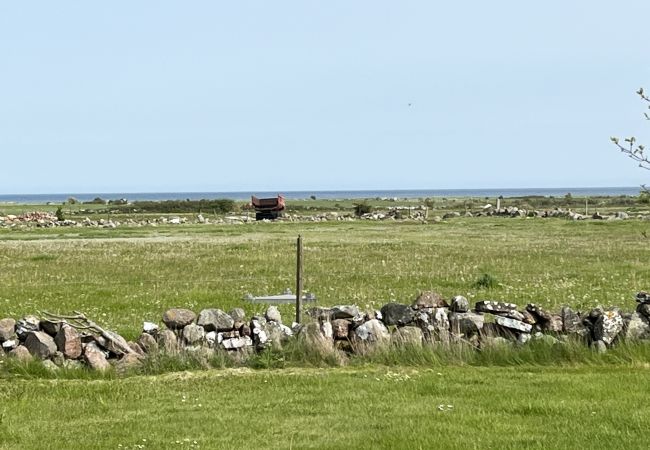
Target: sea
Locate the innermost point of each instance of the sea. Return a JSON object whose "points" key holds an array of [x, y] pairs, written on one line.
{"points": [[330, 195]]}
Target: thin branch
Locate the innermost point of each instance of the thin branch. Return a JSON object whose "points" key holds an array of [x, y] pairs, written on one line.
{"points": [[81, 322]]}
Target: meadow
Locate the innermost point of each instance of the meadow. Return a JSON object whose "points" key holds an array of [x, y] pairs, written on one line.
{"points": [[120, 277], [123, 276]]}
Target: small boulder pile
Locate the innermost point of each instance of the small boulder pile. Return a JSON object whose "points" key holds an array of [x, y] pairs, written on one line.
{"points": [[59, 344]]}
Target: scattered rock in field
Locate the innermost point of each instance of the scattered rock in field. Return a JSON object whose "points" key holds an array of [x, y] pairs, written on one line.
{"points": [[488, 306], [513, 324], [40, 344], [7, 329], [459, 304], [429, 299], [215, 320], [272, 314], [68, 342], [397, 314], [21, 353], [95, 357], [177, 318], [409, 336], [608, 326], [193, 334]]}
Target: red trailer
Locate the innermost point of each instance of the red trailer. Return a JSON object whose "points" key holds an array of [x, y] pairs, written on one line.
{"points": [[268, 208]]}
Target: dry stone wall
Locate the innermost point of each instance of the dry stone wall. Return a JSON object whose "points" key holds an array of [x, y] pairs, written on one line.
{"points": [[343, 329]]}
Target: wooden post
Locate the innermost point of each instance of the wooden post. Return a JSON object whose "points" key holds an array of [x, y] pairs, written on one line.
{"points": [[586, 207], [298, 279]]}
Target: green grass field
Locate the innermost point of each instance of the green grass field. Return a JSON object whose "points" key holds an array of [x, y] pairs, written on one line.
{"points": [[120, 277], [124, 276], [496, 408]]}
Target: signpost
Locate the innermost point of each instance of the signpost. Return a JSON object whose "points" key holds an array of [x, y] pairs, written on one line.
{"points": [[298, 278]]}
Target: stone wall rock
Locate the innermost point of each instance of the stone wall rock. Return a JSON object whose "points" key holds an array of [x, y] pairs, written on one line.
{"points": [[214, 319], [68, 342], [495, 324], [7, 329], [409, 336], [177, 318], [397, 314], [193, 334], [148, 343], [40, 344], [459, 304], [95, 358]]}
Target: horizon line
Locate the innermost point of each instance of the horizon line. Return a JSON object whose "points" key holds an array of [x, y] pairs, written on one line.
{"points": [[316, 190]]}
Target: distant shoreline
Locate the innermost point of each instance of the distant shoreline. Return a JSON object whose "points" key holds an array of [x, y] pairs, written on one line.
{"points": [[329, 195]]}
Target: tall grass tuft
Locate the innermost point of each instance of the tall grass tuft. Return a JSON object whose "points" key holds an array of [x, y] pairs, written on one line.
{"points": [[486, 281]]}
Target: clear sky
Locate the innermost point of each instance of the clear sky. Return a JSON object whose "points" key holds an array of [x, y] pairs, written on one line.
{"points": [[295, 95]]}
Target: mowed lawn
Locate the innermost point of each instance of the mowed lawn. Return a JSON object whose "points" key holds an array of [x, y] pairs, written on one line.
{"points": [[121, 277], [365, 408]]}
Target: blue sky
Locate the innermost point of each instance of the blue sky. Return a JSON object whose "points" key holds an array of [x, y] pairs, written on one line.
{"points": [[296, 95]]}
